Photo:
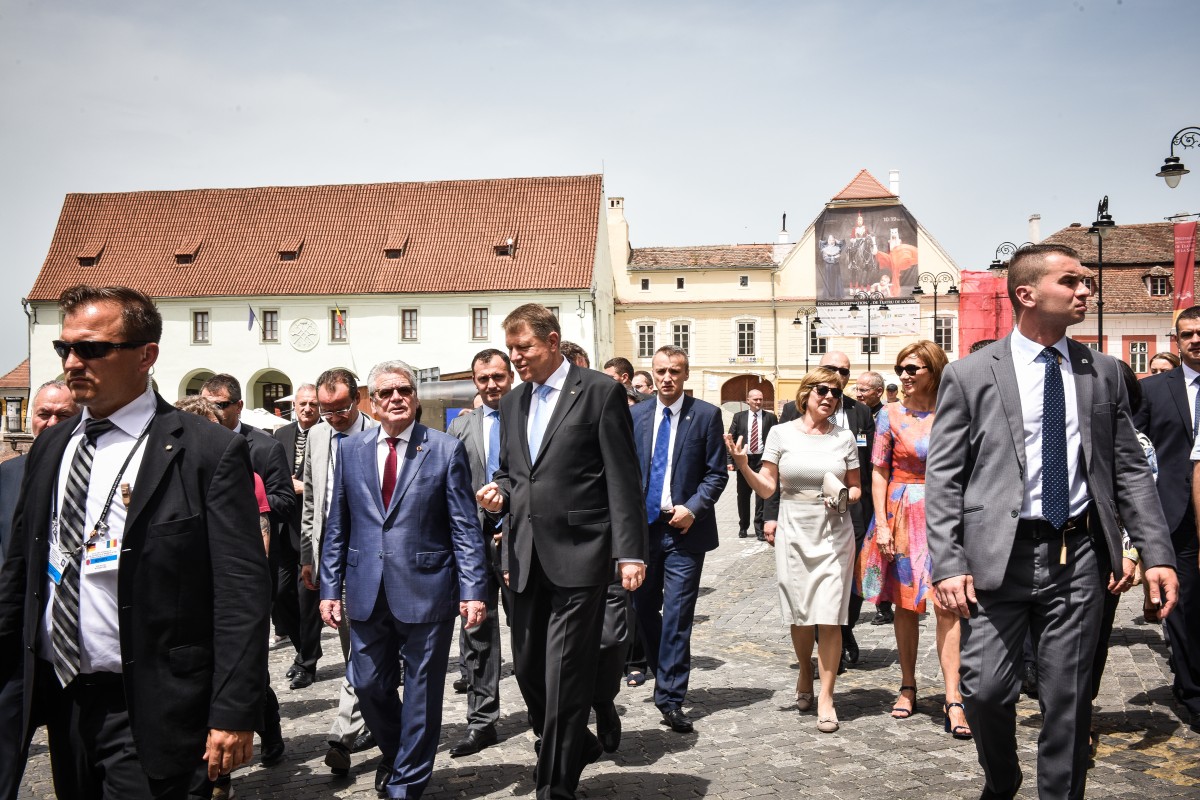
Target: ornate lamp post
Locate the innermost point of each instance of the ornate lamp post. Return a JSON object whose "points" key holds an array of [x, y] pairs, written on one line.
{"points": [[807, 312], [935, 281], [1173, 169], [1100, 228], [1005, 249], [868, 299]]}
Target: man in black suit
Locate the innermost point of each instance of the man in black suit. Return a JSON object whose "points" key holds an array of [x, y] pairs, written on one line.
{"points": [[1168, 415], [856, 418], [52, 404], [135, 696], [479, 432], [297, 608], [752, 427], [566, 482]]}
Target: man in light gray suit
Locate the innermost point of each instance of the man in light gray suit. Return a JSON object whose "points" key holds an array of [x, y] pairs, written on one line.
{"points": [[479, 431], [337, 402], [1032, 458]]}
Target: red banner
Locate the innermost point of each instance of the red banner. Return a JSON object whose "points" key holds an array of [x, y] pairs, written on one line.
{"points": [[1185, 264], [984, 310]]}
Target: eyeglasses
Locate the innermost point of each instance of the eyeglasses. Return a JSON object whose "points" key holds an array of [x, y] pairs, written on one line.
{"points": [[386, 393], [327, 414], [89, 350], [911, 369], [222, 404], [822, 390], [843, 371]]}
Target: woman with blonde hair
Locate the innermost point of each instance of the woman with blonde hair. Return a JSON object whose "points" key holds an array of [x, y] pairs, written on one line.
{"points": [[814, 539], [895, 564]]}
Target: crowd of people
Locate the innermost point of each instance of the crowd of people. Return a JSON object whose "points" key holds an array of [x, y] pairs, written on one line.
{"points": [[150, 550]]}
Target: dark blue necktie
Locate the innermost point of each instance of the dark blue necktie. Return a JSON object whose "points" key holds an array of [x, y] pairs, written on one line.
{"points": [[1055, 500], [658, 468], [1196, 411], [493, 455]]}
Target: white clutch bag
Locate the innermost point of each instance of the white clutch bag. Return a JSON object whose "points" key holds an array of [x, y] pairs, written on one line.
{"points": [[833, 488]]}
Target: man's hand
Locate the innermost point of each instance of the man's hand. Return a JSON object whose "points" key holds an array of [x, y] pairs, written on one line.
{"points": [[506, 578], [1162, 585], [632, 575], [227, 750], [309, 577], [681, 518], [954, 594], [769, 528], [473, 612], [331, 612], [1120, 586], [297, 486], [490, 499]]}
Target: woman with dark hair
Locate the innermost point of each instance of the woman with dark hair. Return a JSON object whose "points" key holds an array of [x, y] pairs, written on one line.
{"points": [[895, 564], [1163, 362]]}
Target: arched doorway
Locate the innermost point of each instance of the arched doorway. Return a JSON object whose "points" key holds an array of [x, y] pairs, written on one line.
{"points": [[734, 390], [192, 382], [266, 389]]}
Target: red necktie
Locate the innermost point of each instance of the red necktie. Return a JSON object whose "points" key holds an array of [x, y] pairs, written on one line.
{"points": [[389, 471], [754, 448]]}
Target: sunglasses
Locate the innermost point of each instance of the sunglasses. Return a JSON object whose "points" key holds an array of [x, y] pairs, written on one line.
{"points": [[386, 393], [222, 404], [89, 350], [843, 371], [822, 390], [911, 369]]}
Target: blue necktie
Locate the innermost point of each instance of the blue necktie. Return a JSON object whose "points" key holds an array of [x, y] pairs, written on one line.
{"points": [[658, 468], [538, 428], [1196, 411], [1055, 500], [493, 456]]}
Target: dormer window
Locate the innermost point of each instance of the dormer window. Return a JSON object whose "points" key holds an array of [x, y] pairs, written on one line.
{"points": [[1157, 281], [506, 247], [186, 252], [289, 249], [89, 256], [395, 245]]}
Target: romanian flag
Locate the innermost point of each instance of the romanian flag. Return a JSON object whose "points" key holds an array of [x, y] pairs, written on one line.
{"points": [[341, 321]]}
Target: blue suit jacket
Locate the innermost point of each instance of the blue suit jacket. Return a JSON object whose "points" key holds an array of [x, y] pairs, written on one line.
{"points": [[425, 548], [698, 473]]}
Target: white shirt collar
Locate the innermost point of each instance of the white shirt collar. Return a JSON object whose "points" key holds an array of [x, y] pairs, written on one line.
{"points": [[557, 378], [1189, 374], [675, 407], [404, 437], [1027, 351], [132, 418]]}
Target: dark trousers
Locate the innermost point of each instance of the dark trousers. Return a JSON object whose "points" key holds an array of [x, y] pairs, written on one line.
{"points": [[743, 498], [1062, 605], [296, 611], [92, 752], [1182, 627], [407, 731], [556, 634], [666, 607], [482, 659], [617, 633], [14, 742]]}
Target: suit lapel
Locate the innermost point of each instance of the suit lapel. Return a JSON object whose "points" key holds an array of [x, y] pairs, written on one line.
{"points": [[1085, 378], [1178, 388], [566, 399], [1010, 399], [522, 423], [685, 422], [645, 434], [478, 440], [414, 457], [162, 447]]}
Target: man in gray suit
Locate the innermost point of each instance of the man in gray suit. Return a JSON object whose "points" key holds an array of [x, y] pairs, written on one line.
{"points": [[479, 431], [1032, 458], [337, 401]]}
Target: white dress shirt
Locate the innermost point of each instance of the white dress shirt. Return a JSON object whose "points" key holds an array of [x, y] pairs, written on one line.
{"points": [[555, 382], [99, 628], [665, 503], [1189, 382], [381, 450], [1031, 378], [750, 417], [491, 416]]}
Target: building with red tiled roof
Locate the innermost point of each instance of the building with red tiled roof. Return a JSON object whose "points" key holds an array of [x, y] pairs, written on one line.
{"points": [[1139, 289], [276, 284], [14, 388]]}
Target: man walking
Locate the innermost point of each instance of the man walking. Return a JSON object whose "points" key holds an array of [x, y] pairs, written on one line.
{"points": [[682, 456], [1030, 541], [752, 427]]}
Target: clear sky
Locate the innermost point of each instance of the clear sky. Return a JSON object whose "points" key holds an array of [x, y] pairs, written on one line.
{"points": [[711, 118]]}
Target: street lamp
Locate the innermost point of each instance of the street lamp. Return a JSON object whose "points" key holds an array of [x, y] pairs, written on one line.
{"points": [[807, 312], [1005, 249], [935, 281], [1172, 169], [868, 299], [1100, 229]]}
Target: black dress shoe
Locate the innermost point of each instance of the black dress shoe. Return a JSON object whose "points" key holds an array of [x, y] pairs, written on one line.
{"points": [[475, 740], [365, 741], [592, 751], [850, 648], [272, 753], [337, 758], [761, 537], [291, 673], [883, 617], [608, 727], [678, 720], [742, 533], [462, 685], [301, 679], [382, 773]]}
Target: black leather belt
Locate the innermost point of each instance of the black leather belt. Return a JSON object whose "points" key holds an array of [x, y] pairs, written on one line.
{"points": [[1041, 529]]}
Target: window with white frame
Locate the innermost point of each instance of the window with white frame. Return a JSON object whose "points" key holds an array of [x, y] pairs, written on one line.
{"points": [[943, 332], [408, 324], [645, 340], [270, 325], [746, 338], [200, 327], [479, 323], [870, 345], [1159, 286], [1139, 353], [681, 336], [817, 345], [337, 325]]}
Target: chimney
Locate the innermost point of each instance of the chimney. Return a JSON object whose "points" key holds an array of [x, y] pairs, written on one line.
{"points": [[783, 244], [783, 234], [618, 234], [1035, 228], [894, 181]]}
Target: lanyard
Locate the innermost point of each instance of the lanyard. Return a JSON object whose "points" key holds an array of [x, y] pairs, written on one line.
{"points": [[101, 521]]}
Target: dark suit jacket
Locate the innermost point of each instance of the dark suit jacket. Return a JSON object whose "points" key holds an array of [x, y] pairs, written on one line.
{"points": [[192, 575], [698, 473], [740, 428], [286, 436], [10, 490], [270, 462], [581, 502], [1166, 417]]}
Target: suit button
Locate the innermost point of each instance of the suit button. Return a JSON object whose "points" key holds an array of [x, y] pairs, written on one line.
{"points": [[381, 554], [1013, 514], [387, 527]]}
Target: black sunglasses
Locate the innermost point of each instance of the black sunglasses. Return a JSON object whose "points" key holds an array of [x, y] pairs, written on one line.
{"points": [[90, 350], [843, 371], [823, 390], [403, 391], [222, 404], [911, 369]]}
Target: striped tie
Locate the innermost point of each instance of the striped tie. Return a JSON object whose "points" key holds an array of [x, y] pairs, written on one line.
{"points": [[64, 630]]}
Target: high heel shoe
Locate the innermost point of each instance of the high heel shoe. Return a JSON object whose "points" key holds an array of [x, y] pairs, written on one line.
{"points": [[804, 701], [958, 731], [900, 712]]}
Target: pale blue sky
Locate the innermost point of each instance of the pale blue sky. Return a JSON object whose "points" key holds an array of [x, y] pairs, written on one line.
{"points": [[711, 119]]}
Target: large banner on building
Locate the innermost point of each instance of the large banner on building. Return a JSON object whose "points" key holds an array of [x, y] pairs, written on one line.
{"points": [[866, 250], [984, 310], [1185, 264], [902, 318]]}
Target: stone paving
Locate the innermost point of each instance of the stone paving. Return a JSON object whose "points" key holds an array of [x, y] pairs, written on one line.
{"points": [[749, 739]]}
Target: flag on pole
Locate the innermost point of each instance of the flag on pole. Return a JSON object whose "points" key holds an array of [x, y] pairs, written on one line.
{"points": [[340, 320], [250, 321]]}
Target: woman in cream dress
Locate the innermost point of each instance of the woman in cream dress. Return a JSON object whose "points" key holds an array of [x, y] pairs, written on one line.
{"points": [[814, 544]]}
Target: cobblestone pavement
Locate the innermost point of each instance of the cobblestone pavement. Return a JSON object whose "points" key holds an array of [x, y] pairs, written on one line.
{"points": [[749, 739]]}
